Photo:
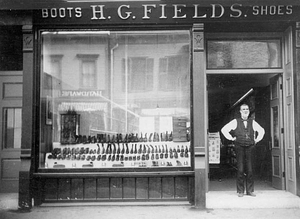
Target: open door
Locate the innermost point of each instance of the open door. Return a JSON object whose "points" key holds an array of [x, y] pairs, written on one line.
{"points": [[277, 132], [282, 122], [288, 108]]}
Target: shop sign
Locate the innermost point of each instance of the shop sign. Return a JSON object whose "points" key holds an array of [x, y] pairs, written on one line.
{"points": [[163, 12], [79, 93], [81, 106]]}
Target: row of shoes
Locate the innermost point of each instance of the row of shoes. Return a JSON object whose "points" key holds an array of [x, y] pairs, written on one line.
{"points": [[119, 157], [120, 149], [120, 138]]}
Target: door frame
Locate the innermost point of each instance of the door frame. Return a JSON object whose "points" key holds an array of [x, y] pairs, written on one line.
{"points": [[270, 73], [282, 71]]}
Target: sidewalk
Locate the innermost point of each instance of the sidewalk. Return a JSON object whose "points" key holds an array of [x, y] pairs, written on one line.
{"points": [[9, 210]]}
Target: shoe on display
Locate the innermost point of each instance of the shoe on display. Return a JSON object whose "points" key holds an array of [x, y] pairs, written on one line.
{"points": [[150, 137], [98, 149], [152, 157], [88, 157], [118, 150], [131, 150], [178, 163], [176, 155], [157, 156], [148, 150], [84, 139]]}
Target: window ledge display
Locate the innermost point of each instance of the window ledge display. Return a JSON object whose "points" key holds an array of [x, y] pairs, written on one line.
{"points": [[129, 155]]}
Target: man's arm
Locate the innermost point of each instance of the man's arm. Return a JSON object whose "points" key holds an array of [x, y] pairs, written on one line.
{"points": [[229, 127], [260, 131]]}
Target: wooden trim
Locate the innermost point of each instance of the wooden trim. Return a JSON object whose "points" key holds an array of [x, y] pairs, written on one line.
{"points": [[244, 71], [242, 36], [113, 174]]}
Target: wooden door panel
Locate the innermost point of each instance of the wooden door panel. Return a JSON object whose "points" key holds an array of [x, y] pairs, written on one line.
{"points": [[103, 188], [90, 189], [77, 189], [129, 188], [155, 188], [10, 131], [289, 129], [276, 132]]}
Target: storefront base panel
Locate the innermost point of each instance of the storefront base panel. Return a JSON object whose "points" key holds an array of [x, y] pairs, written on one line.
{"points": [[155, 188]]}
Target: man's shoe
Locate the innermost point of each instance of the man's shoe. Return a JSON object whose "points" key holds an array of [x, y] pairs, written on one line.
{"points": [[240, 194], [251, 194]]}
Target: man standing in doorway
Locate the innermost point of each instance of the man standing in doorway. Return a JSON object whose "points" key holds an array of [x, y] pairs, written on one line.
{"points": [[246, 133]]}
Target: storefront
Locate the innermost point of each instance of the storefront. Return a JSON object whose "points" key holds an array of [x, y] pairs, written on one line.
{"points": [[123, 101]]}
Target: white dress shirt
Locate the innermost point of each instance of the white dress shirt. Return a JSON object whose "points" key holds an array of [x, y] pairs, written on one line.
{"points": [[233, 124]]}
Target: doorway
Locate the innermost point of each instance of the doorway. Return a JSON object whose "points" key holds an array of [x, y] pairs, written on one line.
{"points": [[225, 94]]}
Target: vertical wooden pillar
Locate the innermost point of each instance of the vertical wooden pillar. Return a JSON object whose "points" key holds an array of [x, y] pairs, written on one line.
{"points": [[199, 115], [25, 190], [297, 103]]}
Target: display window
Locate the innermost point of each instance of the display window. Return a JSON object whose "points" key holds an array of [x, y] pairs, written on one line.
{"points": [[114, 99]]}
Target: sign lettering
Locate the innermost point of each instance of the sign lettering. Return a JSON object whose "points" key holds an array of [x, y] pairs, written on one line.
{"points": [[141, 12]]}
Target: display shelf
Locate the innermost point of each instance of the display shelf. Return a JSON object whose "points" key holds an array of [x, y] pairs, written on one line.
{"points": [[125, 155]]}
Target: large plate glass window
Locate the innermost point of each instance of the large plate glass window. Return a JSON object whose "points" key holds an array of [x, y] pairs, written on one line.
{"points": [[113, 99]]}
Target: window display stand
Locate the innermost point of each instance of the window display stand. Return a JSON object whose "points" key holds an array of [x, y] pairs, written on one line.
{"points": [[129, 155]]}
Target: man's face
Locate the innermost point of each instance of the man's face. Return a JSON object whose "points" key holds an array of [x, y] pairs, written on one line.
{"points": [[244, 111]]}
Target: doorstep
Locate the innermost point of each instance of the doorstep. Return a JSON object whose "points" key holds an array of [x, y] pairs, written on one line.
{"points": [[263, 199]]}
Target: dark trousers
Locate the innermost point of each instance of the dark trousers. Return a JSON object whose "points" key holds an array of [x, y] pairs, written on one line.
{"points": [[244, 169]]}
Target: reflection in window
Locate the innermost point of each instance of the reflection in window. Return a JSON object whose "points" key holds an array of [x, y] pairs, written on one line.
{"points": [[243, 54], [88, 71], [119, 87], [55, 71], [139, 71], [12, 127], [170, 70], [88, 74]]}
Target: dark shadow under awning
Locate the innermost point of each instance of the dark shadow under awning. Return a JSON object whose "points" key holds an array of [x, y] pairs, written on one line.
{"points": [[39, 4]]}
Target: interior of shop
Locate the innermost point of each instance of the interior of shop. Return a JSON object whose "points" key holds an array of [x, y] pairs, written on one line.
{"points": [[225, 94]]}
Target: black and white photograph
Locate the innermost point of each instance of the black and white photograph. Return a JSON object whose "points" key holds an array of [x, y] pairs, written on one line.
{"points": [[166, 109]]}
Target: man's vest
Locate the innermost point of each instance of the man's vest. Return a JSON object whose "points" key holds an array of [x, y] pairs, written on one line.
{"points": [[244, 135]]}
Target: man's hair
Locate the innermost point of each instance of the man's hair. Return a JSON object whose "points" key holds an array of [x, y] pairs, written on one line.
{"points": [[244, 104]]}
